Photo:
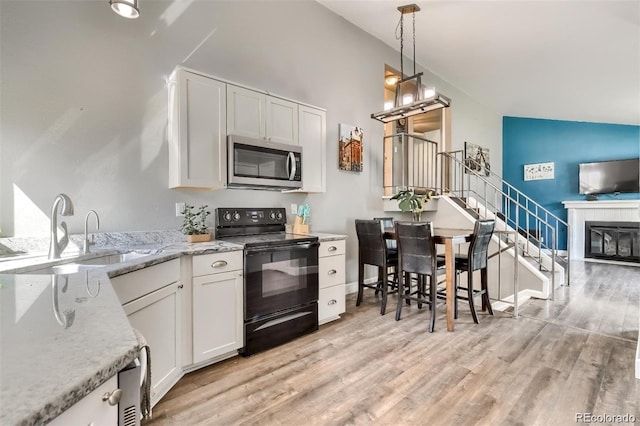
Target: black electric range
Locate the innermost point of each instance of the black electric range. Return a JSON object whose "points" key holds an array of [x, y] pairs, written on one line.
{"points": [[280, 276]]}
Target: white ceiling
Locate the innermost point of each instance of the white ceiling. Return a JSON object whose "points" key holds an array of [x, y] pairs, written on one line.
{"points": [[565, 60]]}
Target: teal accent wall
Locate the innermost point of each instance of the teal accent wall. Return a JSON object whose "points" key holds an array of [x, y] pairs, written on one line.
{"points": [[567, 144]]}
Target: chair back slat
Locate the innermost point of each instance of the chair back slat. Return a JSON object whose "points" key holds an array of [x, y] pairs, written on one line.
{"points": [[479, 246], [387, 222], [416, 247], [371, 245]]}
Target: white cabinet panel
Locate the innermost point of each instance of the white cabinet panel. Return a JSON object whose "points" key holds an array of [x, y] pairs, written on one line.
{"points": [[331, 275], [157, 317], [91, 410], [218, 262], [313, 139], [246, 112], [282, 121], [331, 271], [331, 303], [197, 131], [144, 281], [217, 315], [331, 248]]}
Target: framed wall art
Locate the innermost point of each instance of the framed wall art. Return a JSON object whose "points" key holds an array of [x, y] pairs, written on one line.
{"points": [[350, 147], [476, 158], [539, 171]]}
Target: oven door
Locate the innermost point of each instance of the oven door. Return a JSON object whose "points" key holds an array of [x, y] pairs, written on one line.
{"points": [[279, 278]]}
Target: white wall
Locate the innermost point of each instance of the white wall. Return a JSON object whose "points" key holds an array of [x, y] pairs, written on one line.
{"points": [[84, 106]]}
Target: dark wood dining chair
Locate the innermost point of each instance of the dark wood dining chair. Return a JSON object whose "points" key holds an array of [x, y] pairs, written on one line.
{"points": [[372, 250], [417, 255], [475, 259]]}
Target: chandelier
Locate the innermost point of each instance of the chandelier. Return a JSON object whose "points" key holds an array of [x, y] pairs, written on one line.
{"points": [[424, 98]]}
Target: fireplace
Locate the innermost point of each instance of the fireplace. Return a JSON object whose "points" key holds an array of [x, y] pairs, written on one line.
{"points": [[612, 241]]}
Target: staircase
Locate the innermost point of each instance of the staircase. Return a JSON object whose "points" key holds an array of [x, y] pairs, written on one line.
{"points": [[487, 195]]}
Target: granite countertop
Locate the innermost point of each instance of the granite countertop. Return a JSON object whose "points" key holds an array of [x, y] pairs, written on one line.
{"points": [[323, 236], [62, 336]]}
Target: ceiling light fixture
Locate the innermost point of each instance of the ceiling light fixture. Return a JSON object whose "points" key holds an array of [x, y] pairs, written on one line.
{"points": [[424, 99], [391, 80], [125, 8]]}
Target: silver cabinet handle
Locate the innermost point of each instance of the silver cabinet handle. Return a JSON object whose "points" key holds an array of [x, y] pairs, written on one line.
{"points": [[113, 398], [332, 248], [219, 264], [332, 272], [332, 302]]}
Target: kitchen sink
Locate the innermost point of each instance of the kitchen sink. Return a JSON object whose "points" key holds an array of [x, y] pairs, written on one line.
{"points": [[112, 259], [64, 269], [88, 264]]}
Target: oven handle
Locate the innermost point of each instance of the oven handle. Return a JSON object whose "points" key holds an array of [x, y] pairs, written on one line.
{"points": [[288, 247]]}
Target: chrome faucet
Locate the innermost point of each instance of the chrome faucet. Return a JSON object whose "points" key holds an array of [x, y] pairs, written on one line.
{"points": [[85, 249], [66, 209]]}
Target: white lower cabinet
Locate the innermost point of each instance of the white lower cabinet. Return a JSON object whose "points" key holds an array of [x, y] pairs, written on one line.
{"points": [[331, 271], [156, 315], [91, 410], [217, 305]]}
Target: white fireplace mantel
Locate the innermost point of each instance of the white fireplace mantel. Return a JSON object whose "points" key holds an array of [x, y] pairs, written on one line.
{"points": [[581, 211]]}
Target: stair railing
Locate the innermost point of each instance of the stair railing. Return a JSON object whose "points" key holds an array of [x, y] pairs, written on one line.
{"points": [[462, 179]]}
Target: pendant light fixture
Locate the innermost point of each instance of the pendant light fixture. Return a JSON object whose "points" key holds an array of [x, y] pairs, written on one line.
{"points": [[423, 99], [125, 8]]}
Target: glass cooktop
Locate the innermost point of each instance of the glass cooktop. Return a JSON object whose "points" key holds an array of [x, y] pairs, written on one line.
{"points": [[269, 239]]}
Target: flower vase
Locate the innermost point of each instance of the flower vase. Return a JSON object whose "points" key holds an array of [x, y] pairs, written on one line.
{"points": [[416, 216]]}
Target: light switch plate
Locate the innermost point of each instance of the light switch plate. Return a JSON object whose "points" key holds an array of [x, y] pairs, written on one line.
{"points": [[294, 209], [179, 209]]}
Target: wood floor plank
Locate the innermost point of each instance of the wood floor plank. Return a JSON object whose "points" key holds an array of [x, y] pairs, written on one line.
{"points": [[557, 359]]}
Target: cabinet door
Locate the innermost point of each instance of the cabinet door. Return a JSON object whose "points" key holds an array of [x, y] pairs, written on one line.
{"points": [[197, 132], [282, 121], [313, 139], [246, 112], [157, 317], [217, 315]]}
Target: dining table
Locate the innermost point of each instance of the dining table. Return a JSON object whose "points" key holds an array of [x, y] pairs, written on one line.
{"points": [[450, 238]]}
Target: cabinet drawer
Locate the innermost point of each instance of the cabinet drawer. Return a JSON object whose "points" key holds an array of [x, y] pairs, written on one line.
{"points": [[91, 410], [144, 281], [331, 271], [217, 262], [331, 302], [331, 248]]}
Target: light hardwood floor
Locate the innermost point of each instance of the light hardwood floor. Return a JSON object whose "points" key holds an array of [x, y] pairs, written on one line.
{"points": [[574, 355]]}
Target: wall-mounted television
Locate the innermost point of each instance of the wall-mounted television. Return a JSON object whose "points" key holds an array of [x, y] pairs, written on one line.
{"points": [[609, 177]]}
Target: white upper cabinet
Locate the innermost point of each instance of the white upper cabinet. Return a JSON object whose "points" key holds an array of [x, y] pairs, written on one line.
{"points": [[313, 139], [282, 121], [204, 110], [257, 115], [246, 112], [197, 131]]}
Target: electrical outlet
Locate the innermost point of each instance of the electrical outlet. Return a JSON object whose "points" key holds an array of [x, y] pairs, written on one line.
{"points": [[179, 209], [294, 209]]}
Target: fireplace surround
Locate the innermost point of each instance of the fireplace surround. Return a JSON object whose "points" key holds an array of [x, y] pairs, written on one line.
{"points": [[618, 241], [581, 211]]}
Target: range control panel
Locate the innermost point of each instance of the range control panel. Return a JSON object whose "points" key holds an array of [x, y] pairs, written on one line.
{"points": [[229, 217]]}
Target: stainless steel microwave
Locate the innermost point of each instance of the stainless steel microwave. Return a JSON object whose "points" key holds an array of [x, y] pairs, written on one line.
{"points": [[260, 164]]}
